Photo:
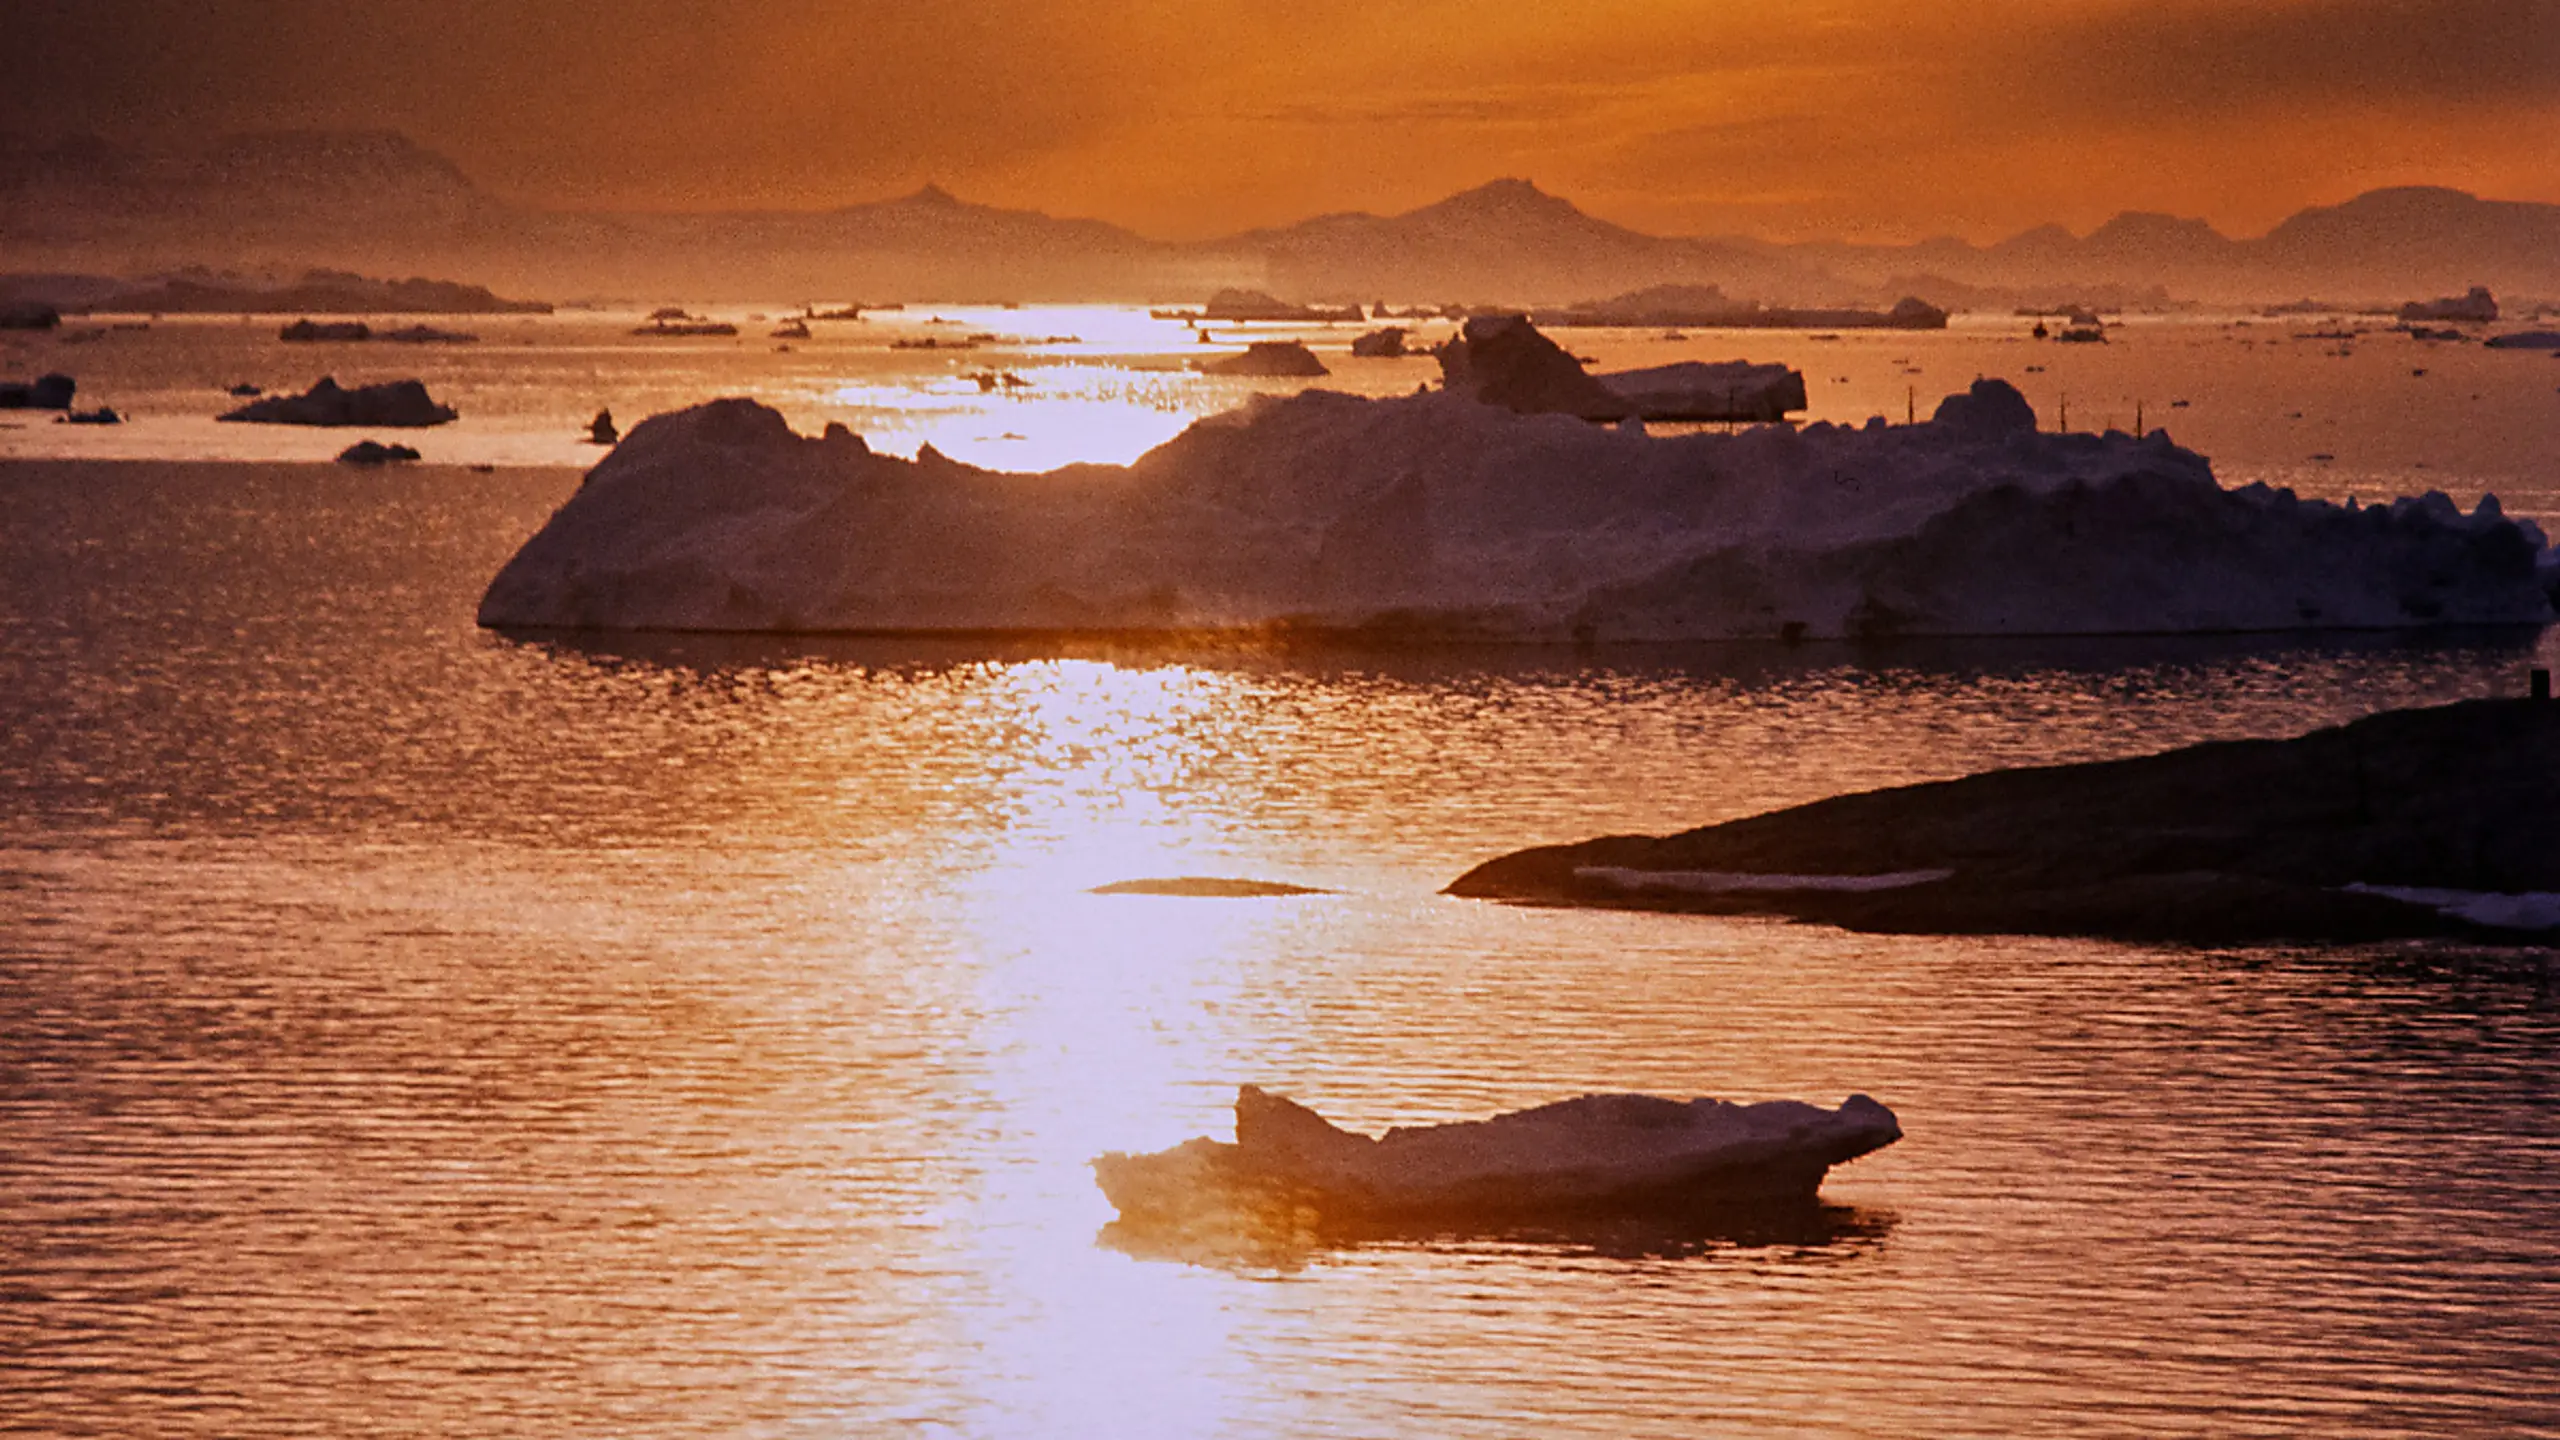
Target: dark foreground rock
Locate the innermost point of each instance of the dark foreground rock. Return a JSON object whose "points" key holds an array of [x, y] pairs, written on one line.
{"points": [[2226, 843], [396, 404]]}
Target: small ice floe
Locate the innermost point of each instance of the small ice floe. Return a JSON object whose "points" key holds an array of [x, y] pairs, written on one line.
{"points": [[2532, 910], [374, 452], [1597, 1154], [428, 335], [1722, 882], [1266, 358], [1205, 887], [306, 332]]}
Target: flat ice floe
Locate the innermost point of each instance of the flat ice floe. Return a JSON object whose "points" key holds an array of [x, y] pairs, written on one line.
{"points": [[2533, 910], [1592, 1154], [1722, 882], [1207, 887], [1434, 516]]}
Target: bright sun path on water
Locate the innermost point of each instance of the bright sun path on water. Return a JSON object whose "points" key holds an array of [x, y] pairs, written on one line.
{"points": [[1107, 757], [1059, 385]]}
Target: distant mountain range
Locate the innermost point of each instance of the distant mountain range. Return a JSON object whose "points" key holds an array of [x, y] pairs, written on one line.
{"points": [[378, 201]]}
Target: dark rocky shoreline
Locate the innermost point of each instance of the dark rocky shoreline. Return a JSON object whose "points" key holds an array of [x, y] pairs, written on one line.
{"points": [[2225, 843]]}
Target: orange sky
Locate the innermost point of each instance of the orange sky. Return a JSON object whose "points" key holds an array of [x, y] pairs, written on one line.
{"points": [[1184, 118]]}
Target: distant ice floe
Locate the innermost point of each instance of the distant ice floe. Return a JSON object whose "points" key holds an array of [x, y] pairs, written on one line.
{"points": [[1206, 887], [1433, 516], [2532, 910]]}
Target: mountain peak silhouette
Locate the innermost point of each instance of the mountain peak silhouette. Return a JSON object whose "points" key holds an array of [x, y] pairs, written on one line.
{"points": [[1507, 198]]}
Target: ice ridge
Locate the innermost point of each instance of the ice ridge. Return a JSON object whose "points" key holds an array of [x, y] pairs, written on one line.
{"points": [[1434, 516]]}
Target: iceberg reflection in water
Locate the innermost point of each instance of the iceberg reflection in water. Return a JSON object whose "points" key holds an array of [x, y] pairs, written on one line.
{"points": [[1287, 1238]]}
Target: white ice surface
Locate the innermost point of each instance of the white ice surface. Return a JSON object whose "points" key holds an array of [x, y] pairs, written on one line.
{"points": [[1431, 515], [2531, 910], [1596, 1149]]}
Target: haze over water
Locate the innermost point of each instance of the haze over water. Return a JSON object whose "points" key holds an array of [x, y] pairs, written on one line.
{"points": [[419, 1031], [2278, 400]]}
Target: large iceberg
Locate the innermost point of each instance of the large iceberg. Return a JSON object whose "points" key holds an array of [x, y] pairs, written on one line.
{"points": [[1598, 1153], [1435, 516]]}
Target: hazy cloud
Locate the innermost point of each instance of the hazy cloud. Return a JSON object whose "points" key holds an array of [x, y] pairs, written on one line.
{"points": [[1185, 117], [2228, 59]]}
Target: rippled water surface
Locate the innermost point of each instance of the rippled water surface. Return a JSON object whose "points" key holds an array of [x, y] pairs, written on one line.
{"points": [[410, 1030]]}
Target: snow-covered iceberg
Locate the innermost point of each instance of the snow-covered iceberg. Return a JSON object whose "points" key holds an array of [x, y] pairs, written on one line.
{"points": [[1434, 516], [1598, 1153]]}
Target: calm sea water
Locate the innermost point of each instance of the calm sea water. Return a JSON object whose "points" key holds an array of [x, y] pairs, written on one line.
{"points": [[406, 1030], [2269, 400]]}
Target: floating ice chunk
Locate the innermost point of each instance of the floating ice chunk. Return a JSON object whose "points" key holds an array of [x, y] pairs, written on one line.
{"points": [[2532, 910], [1595, 1153], [1709, 390], [1206, 887], [1267, 358], [1989, 410], [395, 403], [2476, 306]]}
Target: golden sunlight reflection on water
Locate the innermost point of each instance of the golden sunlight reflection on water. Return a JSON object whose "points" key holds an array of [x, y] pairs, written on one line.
{"points": [[1077, 415], [405, 1030]]}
